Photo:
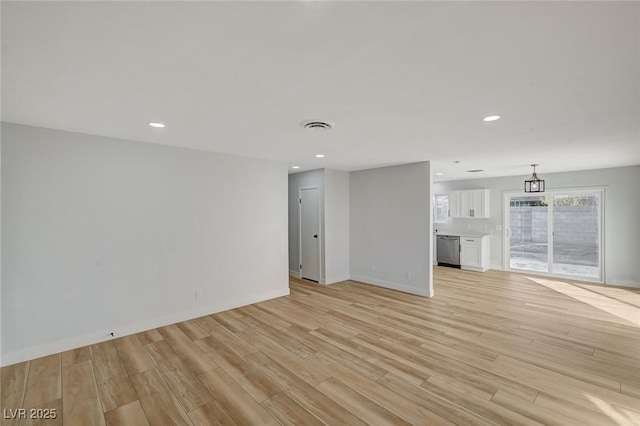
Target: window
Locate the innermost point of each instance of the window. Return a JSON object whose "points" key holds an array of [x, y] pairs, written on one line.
{"points": [[441, 208]]}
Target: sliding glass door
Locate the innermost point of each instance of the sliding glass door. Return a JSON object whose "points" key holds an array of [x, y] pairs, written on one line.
{"points": [[576, 234], [559, 233], [528, 232]]}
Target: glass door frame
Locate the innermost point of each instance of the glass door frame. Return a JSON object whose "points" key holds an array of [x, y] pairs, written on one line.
{"points": [[506, 236]]}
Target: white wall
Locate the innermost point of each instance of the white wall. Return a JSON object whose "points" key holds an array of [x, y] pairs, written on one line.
{"points": [[105, 235], [390, 227], [312, 178], [621, 207], [336, 230], [1, 322]]}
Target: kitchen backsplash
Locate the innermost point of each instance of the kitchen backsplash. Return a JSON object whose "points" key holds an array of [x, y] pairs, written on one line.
{"points": [[460, 226]]}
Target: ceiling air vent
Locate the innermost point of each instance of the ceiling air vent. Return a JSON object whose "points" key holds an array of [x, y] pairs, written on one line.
{"points": [[475, 171], [317, 125]]}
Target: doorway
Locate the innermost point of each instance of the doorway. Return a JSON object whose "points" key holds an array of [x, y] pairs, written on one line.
{"points": [[556, 233], [309, 233]]}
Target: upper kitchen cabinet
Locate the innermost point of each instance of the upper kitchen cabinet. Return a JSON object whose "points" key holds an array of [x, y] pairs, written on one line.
{"points": [[469, 204]]}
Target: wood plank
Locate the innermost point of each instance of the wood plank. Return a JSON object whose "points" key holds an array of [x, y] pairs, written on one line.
{"points": [[533, 411], [133, 356], [186, 387], [106, 362], [116, 393], [575, 411], [625, 415], [255, 312], [359, 365], [288, 412], [305, 395], [296, 365], [232, 341], [193, 330], [289, 343], [159, 404], [76, 355], [44, 382], [480, 406], [163, 354], [241, 407], [229, 321], [630, 390], [191, 354], [256, 384], [362, 407], [228, 360], [211, 414], [543, 378], [292, 314], [50, 415], [80, 395], [150, 336], [129, 414], [434, 404], [393, 365], [13, 382], [385, 397]]}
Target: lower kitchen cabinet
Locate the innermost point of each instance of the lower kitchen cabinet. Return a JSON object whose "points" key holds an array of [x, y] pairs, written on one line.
{"points": [[474, 253]]}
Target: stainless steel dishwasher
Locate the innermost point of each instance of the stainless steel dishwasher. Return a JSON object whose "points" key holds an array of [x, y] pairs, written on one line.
{"points": [[448, 251]]}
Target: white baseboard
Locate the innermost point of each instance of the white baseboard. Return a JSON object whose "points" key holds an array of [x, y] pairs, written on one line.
{"points": [[104, 335], [337, 279], [473, 268], [496, 267], [295, 274], [624, 283], [392, 285]]}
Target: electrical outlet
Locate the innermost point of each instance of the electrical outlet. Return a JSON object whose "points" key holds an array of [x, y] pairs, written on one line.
{"points": [[373, 268], [196, 294], [407, 274]]}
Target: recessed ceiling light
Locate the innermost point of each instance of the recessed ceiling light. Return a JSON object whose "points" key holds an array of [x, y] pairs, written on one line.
{"points": [[317, 125], [491, 118], [295, 167], [439, 174], [156, 124], [319, 155]]}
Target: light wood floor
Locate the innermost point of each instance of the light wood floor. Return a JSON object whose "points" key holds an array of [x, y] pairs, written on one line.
{"points": [[490, 348]]}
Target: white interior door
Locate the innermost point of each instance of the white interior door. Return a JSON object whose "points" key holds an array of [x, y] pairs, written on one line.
{"points": [[310, 234]]}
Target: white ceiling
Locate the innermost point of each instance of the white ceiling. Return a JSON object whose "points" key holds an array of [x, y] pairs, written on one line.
{"points": [[402, 81]]}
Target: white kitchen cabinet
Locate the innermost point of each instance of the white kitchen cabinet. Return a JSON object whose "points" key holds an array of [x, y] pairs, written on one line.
{"points": [[472, 203], [455, 207], [474, 253]]}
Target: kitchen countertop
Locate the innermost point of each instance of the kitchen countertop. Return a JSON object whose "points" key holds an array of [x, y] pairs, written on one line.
{"points": [[469, 233]]}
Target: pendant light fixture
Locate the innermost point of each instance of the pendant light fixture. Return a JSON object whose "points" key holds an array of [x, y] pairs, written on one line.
{"points": [[534, 184]]}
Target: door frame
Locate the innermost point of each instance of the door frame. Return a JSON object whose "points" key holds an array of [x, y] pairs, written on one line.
{"points": [[506, 253], [300, 189]]}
